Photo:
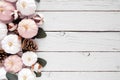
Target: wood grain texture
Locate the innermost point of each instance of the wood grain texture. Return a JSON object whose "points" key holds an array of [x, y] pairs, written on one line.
{"points": [[80, 76], [82, 21], [79, 5], [80, 41], [81, 61], [83, 41]]}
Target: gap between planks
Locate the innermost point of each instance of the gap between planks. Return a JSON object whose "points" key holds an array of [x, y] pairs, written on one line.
{"points": [[82, 71], [77, 10], [81, 31], [80, 76], [77, 51]]}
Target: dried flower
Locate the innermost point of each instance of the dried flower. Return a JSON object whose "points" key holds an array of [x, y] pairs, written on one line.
{"points": [[12, 26], [11, 44], [13, 63], [29, 58], [27, 28], [36, 67], [39, 19], [15, 14]]}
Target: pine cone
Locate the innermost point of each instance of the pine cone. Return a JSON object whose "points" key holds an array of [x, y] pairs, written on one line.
{"points": [[3, 55], [29, 45]]}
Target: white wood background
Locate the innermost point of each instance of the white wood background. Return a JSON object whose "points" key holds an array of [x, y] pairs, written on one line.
{"points": [[83, 41]]}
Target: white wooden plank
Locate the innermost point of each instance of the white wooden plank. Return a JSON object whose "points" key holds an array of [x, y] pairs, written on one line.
{"points": [[82, 21], [81, 61], [80, 76], [80, 41], [79, 5]]}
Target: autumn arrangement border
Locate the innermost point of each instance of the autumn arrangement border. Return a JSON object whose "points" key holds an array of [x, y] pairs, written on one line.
{"points": [[20, 25]]}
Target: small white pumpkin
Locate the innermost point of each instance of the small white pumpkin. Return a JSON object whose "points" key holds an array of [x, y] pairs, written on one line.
{"points": [[29, 58], [11, 44], [3, 30], [26, 74], [26, 7]]}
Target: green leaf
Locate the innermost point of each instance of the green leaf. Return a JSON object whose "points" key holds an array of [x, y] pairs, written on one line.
{"points": [[38, 74], [11, 76], [41, 33], [42, 62], [37, 0]]}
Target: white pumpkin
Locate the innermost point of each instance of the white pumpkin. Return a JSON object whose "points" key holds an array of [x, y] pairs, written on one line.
{"points": [[3, 30], [11, 44], [29, 58], [26, 74], [26, 7]]}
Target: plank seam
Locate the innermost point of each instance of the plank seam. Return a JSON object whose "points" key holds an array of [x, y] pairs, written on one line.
{"points": [[80, 71], [80, 31], [77, 10], [78, 51]]}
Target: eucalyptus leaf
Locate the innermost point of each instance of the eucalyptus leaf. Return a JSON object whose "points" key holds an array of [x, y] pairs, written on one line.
{"points": [[41, 33], [42, 62], [38, 74], [11, 76]]}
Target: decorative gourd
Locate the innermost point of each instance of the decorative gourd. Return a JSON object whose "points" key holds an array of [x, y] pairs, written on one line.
{"points": [[6, 10], [11, 44], [13, 63], [26, 7], [26, 74], [27, 28]]}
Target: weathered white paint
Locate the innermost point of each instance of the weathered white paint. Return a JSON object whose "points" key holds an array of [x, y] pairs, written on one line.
{"points": [[80, 76], [79, 5], [81, 61], [82, 21], [80, 41], [70, 16]]}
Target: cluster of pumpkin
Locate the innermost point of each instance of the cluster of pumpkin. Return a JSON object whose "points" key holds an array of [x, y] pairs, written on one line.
{"points": [[19, 26]]}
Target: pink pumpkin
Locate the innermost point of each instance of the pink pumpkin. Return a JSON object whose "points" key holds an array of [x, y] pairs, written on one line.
{"points": [[27, 28], [6, 10], [13, 63]]}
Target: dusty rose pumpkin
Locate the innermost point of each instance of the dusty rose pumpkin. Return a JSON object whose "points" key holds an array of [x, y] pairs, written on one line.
{"points": [[6, 10], [13, 63], [27, 28]]}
